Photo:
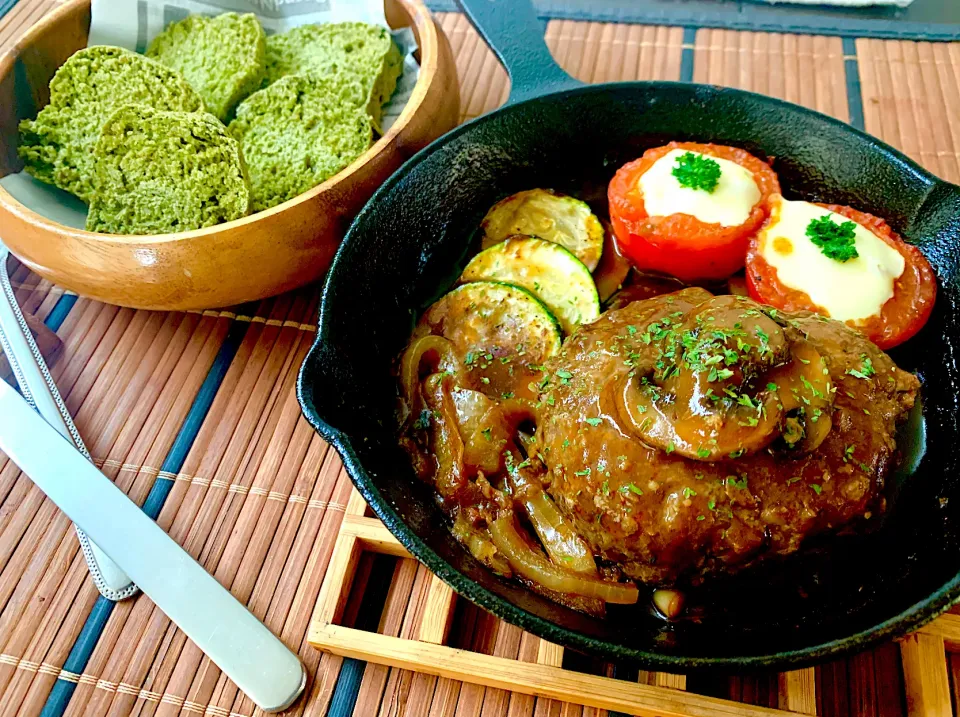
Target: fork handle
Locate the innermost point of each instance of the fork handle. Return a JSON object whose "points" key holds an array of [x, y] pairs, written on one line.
{"points": [[50, 345], [38, 387]]}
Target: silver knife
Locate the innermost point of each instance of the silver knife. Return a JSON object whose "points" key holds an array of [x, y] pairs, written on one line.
{"points": [[39, 389], [237, 642]]}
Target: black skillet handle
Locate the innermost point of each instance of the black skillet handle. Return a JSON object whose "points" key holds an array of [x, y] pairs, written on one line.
{"points": [[512, 30]]}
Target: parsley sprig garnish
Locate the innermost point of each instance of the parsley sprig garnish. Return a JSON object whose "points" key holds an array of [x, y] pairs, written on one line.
{"points": [[696, 171], [836, 241]]}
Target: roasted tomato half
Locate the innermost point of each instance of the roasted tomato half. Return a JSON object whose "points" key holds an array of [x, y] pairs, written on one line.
{"points": [[689, 210], [905, 300]]}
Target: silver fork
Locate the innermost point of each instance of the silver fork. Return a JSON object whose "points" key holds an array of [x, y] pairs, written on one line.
{"points": [[38, 388]]}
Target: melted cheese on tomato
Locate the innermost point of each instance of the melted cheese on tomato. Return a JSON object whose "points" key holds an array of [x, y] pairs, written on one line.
{"points": [[850, 290], [729, 204]]}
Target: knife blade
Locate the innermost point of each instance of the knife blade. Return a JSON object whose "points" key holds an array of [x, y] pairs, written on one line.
{"points": [[237, 642]]}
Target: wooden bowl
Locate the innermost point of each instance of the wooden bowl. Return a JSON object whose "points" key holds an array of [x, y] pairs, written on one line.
{"points": [[251, 258]]}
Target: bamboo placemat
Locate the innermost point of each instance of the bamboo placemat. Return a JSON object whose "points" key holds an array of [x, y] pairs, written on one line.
{"points": [[922, 20], [194, 415]]}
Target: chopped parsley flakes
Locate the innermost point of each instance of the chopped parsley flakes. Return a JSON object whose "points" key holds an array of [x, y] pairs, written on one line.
{"points": [[866, 369], [423, 422], [695, 171], [594, 421], [719, 374], [740, 483], [836, 241]]}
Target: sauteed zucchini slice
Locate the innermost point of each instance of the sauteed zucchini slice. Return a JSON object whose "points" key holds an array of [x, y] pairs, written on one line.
{"points": [[547, 270], [501, 333], [549, 215]]}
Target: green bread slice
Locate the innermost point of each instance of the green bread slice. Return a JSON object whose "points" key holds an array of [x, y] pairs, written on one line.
{"points": [[367, 50], [164, 172], [300, 131], [222, 57], [57, 147]]}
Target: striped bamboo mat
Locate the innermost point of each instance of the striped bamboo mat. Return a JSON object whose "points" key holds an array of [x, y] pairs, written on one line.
{"points": [[194, 415]]}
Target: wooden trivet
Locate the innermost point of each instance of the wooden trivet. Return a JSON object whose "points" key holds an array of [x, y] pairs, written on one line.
{"points": [[546, 677]]}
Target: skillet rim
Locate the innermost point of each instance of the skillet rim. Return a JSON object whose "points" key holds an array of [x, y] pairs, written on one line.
{"points": [[908, 620]]}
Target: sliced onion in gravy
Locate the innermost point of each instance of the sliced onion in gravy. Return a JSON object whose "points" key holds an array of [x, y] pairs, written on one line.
{"points": [[534, 566]]}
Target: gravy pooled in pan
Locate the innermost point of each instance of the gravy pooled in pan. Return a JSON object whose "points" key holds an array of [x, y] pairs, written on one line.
{"points": [[678, 434]]}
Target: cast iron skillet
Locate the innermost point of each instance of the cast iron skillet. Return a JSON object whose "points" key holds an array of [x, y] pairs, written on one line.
{"points": [[410, 242]]}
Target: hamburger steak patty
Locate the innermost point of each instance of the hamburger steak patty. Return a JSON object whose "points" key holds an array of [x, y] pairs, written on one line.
{"points": [[687, 434]]}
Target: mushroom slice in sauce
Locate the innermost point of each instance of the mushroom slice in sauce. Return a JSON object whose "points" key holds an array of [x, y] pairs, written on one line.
{"points": [[728, 381]]}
